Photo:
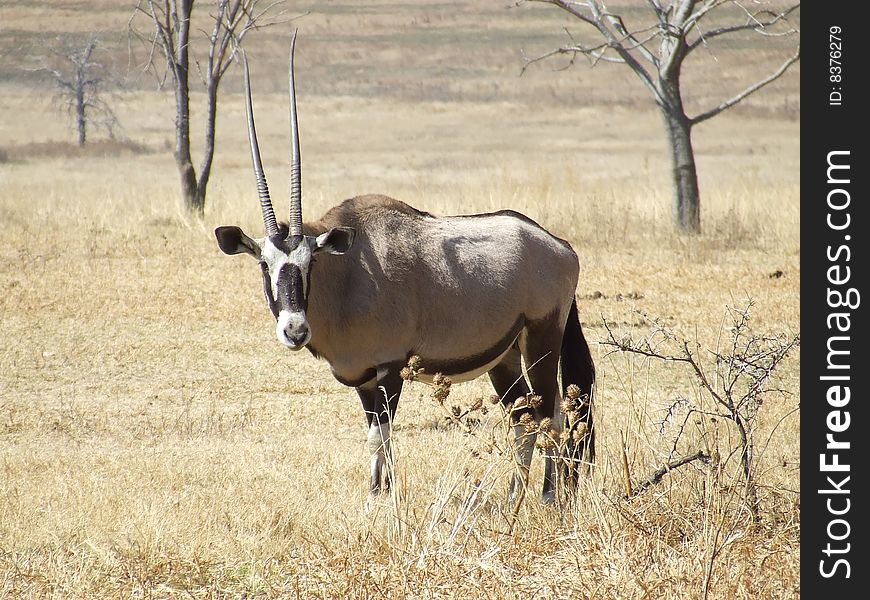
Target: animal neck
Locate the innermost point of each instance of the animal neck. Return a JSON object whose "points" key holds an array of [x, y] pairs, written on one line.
{"points": [[326, 297]]}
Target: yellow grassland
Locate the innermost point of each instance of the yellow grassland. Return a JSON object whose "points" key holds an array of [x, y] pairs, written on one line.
{"points": [[156, 441]]}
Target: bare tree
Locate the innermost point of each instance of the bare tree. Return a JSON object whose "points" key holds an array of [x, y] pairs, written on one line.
{"points": [[655, 48], [80, 91], [734, 388], [170, 23]]}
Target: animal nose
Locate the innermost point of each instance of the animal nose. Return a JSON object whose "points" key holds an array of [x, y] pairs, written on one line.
{"points": [[297, 337], [292, 329]]}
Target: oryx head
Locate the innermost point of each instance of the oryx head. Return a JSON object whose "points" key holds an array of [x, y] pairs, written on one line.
{"points": [[284, 253]]}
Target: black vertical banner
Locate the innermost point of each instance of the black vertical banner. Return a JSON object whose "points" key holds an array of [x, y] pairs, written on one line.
{"points": [[834, 263]]}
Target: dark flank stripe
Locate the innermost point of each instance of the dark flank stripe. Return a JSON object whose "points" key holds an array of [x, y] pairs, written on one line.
{"points": [[458, 366], [366, 377]]}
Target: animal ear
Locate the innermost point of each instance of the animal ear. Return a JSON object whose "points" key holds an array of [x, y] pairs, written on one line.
{"points": [[232, 240], [337, 240]]}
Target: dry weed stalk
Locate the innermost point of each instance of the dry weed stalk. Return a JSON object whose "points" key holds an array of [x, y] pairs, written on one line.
{"points": [[455, 414], [733, 390], [498, 441]]}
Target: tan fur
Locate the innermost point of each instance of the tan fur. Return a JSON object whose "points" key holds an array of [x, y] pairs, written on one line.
{"points": [[444, 288]]}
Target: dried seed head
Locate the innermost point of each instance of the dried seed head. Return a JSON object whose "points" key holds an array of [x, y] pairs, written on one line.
{"points": [[567, 406], [535, 401], [414, 362], [440, 394], [525, 418], [407, 374], [494, 399], [573, 391], [441, 380], [580, 431], [545, 423], [545, 443], [477, 404]]}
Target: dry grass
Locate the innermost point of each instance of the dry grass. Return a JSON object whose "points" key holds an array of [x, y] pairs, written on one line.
{"points": [[156, 441]]}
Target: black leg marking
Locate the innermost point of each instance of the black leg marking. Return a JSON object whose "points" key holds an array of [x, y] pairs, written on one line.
{"points": [[380, 398]]}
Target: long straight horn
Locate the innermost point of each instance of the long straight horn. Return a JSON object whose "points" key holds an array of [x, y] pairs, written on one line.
{"points": [[295, 163], [262, 188]]}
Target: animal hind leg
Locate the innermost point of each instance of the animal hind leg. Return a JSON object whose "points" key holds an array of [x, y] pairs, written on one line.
{"points": [[510, 384]]}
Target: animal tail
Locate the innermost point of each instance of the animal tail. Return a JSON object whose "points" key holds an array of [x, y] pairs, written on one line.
{"points": [[578, 369]]}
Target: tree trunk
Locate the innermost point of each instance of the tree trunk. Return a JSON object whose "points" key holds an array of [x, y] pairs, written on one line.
{"points": [[208, 151], [193, 200], [189, 189], [686, 197], [81, 123], [684, 175]]}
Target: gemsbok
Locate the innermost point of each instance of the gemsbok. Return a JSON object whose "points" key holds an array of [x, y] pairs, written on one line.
{"points": [[375, 282]]}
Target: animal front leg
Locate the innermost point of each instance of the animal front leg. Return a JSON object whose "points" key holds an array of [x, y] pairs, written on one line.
{"points": [[381, 455], [380, 397]]}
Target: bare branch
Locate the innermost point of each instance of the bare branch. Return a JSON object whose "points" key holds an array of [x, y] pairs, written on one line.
{"points": [[615, 40], [571, 7], [163, 35], [754, 23], [702, 12], [150, 42], [639, 45], [748, 91], [660, 473], [657, 8], [623, 52], [595, 55]]}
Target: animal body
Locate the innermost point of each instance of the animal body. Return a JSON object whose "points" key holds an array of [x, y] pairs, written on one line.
{"points": [[376, 281]]}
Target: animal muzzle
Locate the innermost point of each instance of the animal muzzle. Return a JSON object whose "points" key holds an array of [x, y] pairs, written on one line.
{"points": [[292, 329]]}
